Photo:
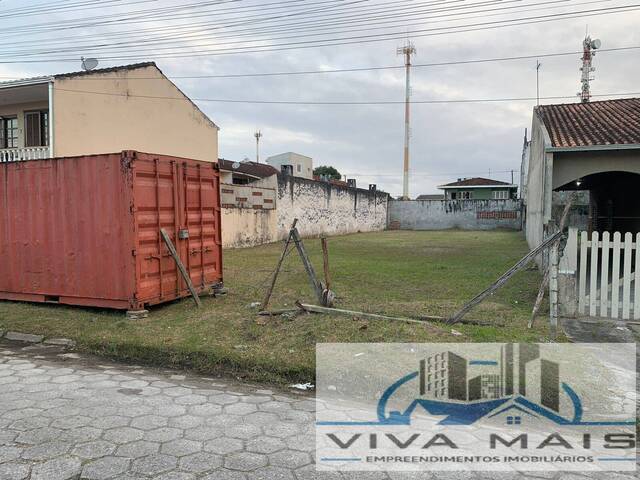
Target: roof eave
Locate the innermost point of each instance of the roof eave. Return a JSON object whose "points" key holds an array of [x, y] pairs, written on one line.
{"points": [[587, 148], [508, 185], [26, 82]]}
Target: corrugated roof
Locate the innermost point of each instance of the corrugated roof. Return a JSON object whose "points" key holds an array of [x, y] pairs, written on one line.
{"points": [[476, 182], [132, 66], [606, 122], [260, 170]]}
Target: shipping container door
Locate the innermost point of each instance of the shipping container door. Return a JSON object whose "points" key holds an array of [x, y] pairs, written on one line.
{"points": [[201, 219], [181, 198]]}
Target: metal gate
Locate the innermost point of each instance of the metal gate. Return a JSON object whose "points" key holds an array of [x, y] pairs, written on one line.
{"points": [[608, 273]]}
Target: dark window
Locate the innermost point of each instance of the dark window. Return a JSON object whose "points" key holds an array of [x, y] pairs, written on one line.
{"points": [[36, 129], [8, 132]]}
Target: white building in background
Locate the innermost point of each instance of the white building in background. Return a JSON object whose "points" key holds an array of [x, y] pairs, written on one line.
{"points": [[301, 165]]}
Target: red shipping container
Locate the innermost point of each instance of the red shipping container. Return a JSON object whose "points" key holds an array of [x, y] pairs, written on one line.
{"points": [[86, 230]]}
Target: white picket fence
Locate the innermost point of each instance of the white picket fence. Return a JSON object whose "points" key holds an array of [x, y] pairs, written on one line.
{"points": [[608, 274]]}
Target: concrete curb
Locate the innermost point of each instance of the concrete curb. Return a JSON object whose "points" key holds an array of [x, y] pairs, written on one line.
{"points": [[31, 338]]}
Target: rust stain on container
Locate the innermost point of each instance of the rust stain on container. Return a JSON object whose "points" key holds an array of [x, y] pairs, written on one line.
{"points": [[86, 230]]}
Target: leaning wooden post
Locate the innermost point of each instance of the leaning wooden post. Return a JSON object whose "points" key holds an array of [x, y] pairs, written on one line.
{"points": [[545, 278], [311, 273], [524, 261], [181, 267], [325, 262], [267, 296], [553, 288]]}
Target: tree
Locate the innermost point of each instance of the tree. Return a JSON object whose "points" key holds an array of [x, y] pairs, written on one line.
{"points": [[328, 171]]}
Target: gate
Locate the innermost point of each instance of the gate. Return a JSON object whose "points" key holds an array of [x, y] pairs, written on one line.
{"points": [[608, 273]]}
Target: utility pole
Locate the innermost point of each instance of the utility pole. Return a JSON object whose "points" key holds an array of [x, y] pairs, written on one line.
{"points": [[538, 65], [258, 135], [588, 46], [408, 50]]}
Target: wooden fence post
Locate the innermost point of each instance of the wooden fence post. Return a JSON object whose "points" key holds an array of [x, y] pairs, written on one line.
{"points": [[553, 289]]}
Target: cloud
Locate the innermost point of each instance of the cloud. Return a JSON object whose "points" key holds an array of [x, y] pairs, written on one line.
{"points": [[448, 141]]}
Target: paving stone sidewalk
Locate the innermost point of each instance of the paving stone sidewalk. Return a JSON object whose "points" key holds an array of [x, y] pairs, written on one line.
{"points": [[67, 416]]}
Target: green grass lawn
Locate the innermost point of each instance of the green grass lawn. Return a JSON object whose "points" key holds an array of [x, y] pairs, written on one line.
{"points": [[399, 273]]}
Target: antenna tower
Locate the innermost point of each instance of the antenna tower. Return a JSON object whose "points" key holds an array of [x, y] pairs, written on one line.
{"points": [[408, 50]]}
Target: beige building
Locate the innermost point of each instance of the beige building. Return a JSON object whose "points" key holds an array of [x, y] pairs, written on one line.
{"points": [[132, 107], [300, 165]]}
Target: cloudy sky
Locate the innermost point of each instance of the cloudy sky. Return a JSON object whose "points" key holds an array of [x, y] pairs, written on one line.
{"points": [[449, 140]]}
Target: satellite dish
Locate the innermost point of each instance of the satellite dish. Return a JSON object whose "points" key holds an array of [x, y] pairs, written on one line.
{"points": [[596, 43], [89, 63], [235, 165]]}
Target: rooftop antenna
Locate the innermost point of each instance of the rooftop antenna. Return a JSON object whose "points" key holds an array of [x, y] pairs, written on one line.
{"points": [[258, 135], [407, 50], [588, 47], [89, 63]]}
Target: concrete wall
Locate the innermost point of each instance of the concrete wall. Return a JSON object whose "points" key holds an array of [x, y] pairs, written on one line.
{"points": [[116, 119], [323, 208], [246, 227], [538, 204], [462, 214]]}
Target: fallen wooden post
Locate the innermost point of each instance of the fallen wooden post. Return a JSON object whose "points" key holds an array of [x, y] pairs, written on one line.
{"points": [[181, 269], [455, 318], [267, 297], [370, 316]]}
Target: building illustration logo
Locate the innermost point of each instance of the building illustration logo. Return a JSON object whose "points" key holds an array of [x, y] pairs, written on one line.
{"points": [[495, 401], [444, 388]]}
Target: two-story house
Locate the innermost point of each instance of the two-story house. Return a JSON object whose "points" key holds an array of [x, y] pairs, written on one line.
{"points": [[131, 107]]}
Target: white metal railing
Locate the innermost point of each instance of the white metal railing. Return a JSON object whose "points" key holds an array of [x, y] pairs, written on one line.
{"points": [[21, 154]]}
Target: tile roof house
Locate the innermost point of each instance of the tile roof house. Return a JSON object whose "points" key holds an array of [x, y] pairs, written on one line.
{"points": [[129, 107], [604, 123], [242, 173], [591, 147], [478, 188]]}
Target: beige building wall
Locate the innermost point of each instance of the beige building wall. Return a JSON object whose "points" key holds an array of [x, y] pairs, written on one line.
{"points": [[302, 165], [245, 227], [118, 117]]}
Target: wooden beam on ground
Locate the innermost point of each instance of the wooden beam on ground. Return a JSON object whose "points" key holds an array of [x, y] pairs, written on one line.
{"points": [[369, 316], [181, 268], [280, 311], [267, 296], [523, 262]]}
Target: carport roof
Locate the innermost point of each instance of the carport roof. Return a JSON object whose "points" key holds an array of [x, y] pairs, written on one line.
{"points": [[601, 123]]}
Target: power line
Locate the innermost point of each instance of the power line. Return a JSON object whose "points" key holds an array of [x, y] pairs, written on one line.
{"points": [[366, 69], [380, 102], [372, 38], [337, 17]]}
